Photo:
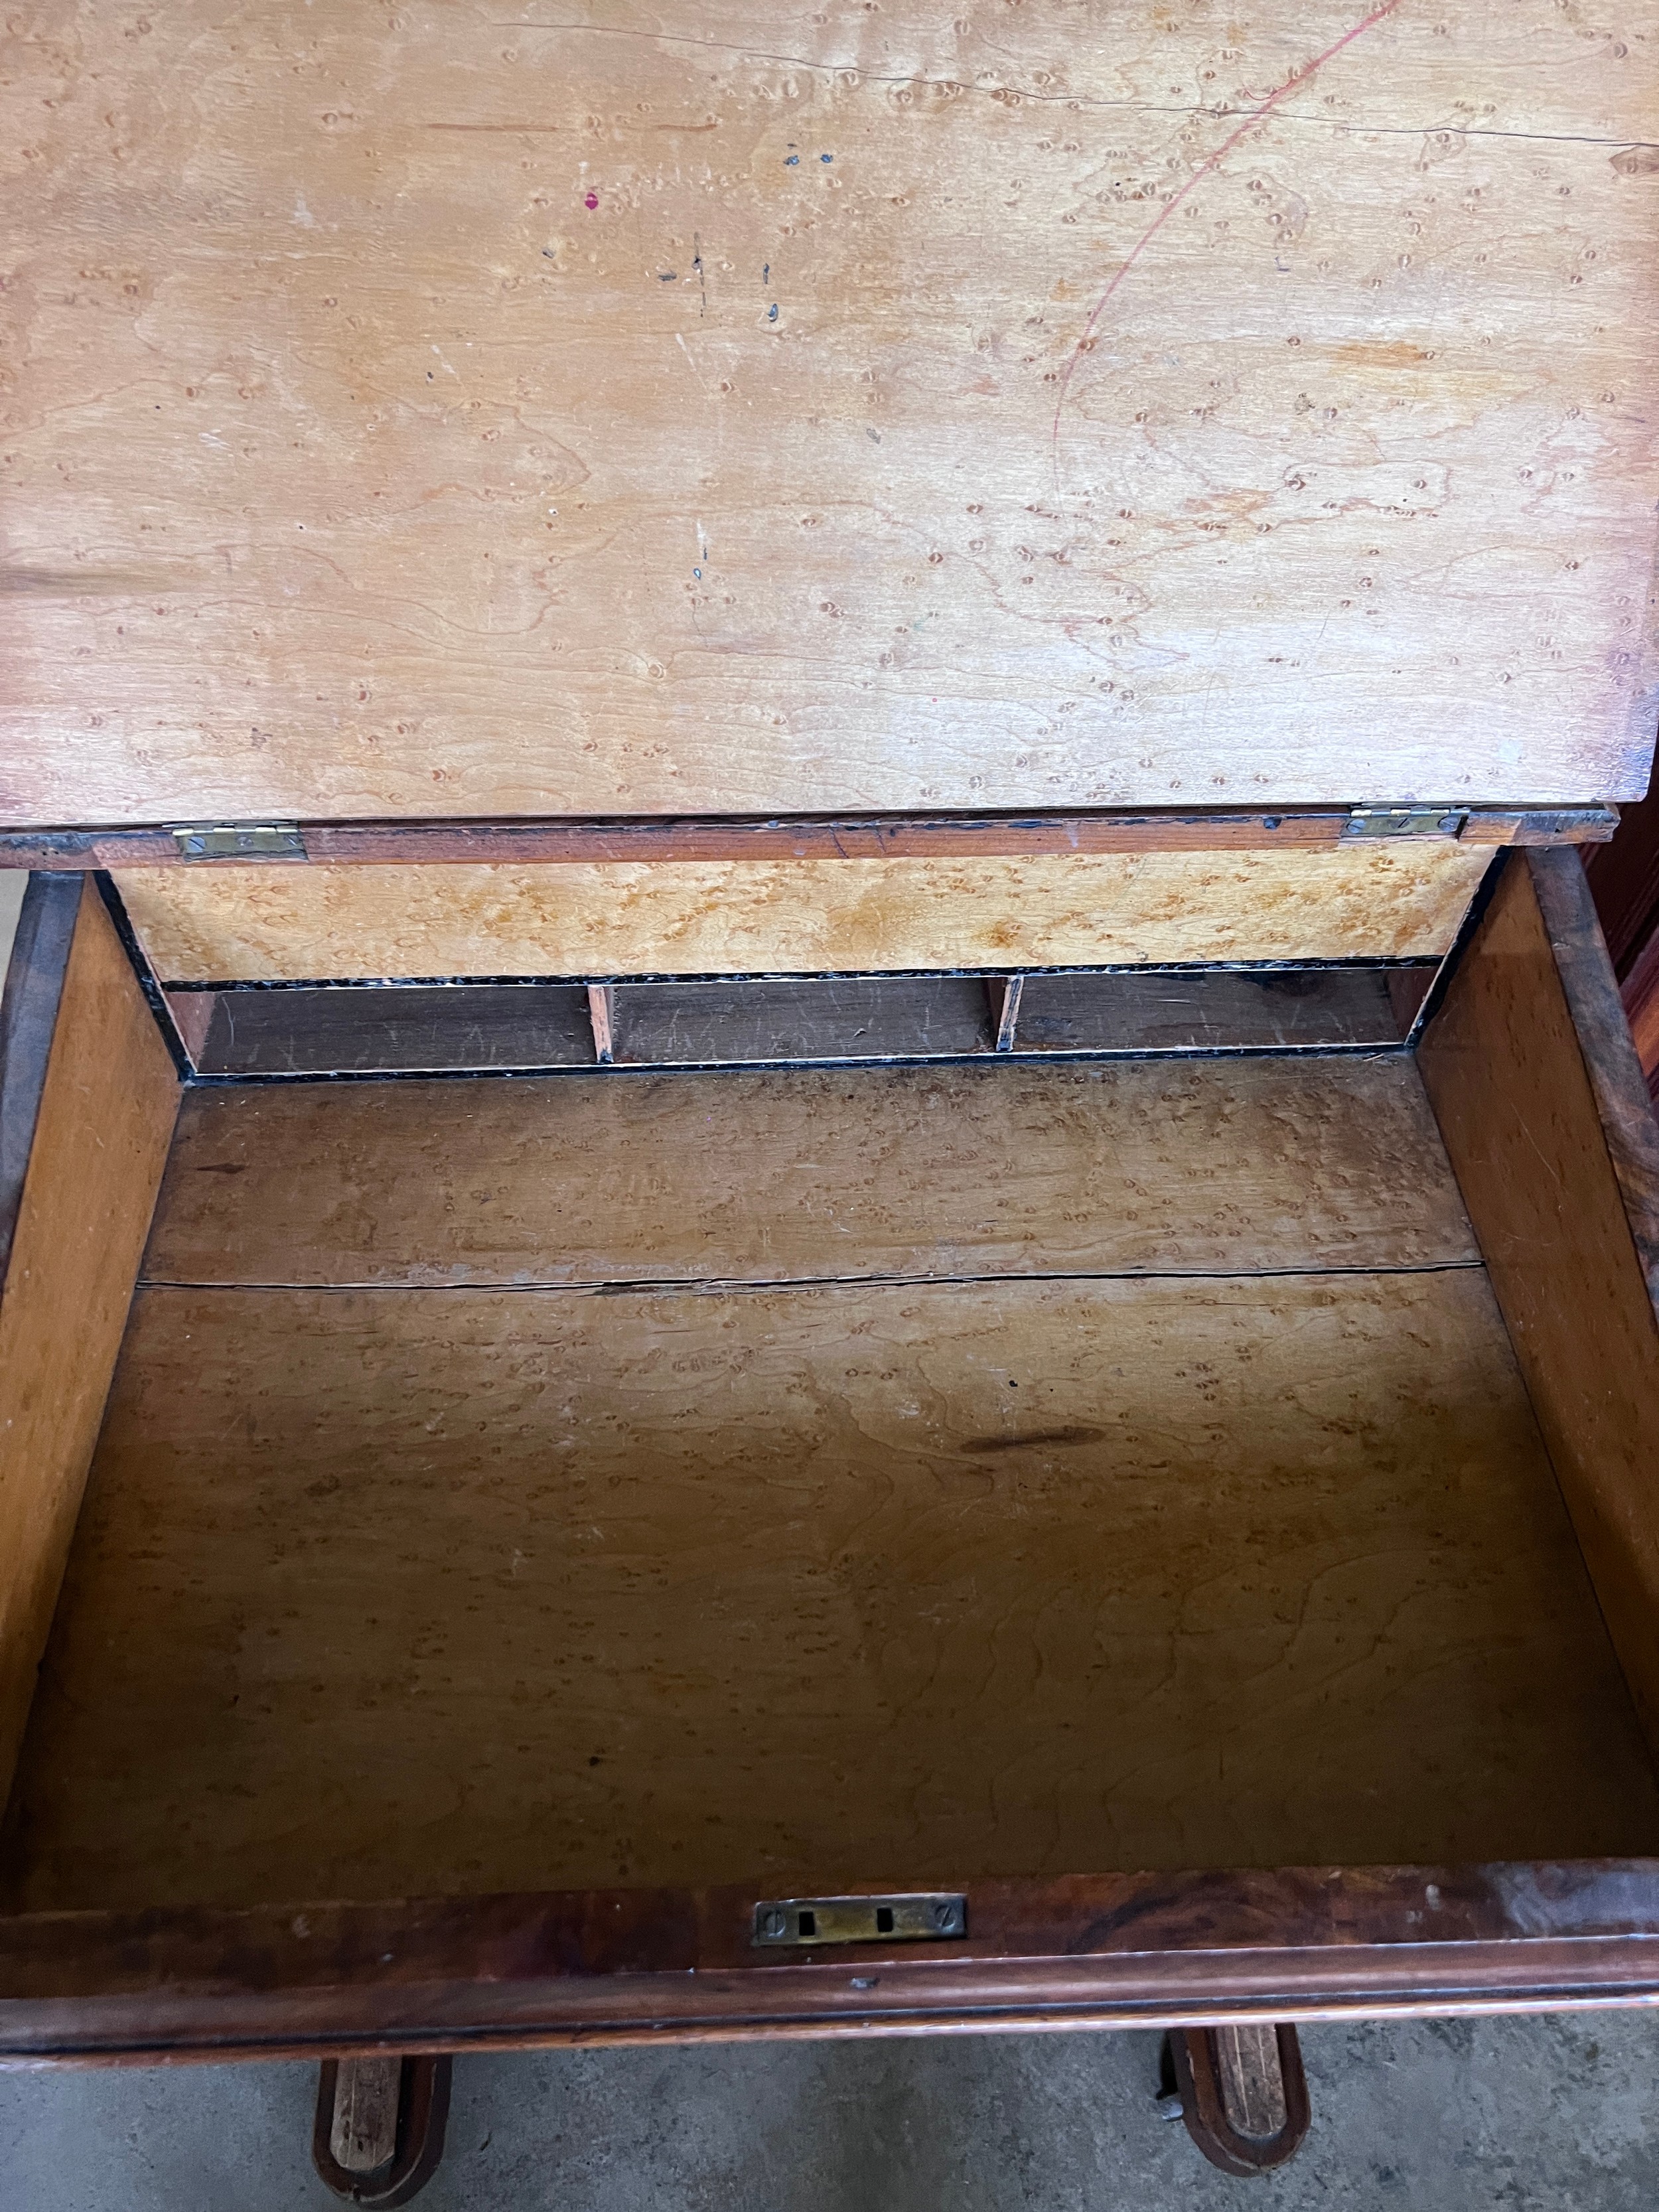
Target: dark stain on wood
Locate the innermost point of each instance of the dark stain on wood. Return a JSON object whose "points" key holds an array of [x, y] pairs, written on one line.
{"points": [[1076, 1433]]}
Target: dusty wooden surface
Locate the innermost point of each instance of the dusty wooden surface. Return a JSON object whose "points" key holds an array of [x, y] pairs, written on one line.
{"points": [[1506, 1070], [105, 1117], [417, 1592], [743, 408], [1264, 1165], [420, 1592], [315, 923], [414, 1028]]}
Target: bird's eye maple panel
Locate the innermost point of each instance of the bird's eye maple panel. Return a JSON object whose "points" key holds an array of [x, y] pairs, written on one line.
{"points": [[462, 410], [277, 922]]}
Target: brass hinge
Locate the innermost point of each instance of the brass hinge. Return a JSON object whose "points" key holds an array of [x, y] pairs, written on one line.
{"points": [[241, 841], [1404, 822], [931, 1917]]}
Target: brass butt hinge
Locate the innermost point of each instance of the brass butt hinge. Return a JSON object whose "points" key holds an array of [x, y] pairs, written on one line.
{"points": [[1404, 822], [932, 1917], [240, 841]]}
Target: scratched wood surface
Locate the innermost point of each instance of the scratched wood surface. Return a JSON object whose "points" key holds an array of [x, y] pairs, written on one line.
{"points": [[262, 923], [415, 1592], [745, 408], [1211, 1167]]}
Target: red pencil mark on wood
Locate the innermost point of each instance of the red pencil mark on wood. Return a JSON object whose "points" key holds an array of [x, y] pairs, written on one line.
{"points": [[1297, 78]]}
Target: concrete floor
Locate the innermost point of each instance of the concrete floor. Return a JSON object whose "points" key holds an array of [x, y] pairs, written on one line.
{"points": [[1559, 2112]]}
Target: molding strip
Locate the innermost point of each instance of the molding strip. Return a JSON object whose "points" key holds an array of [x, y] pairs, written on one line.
{"points": [[680, 1965], [807, 837]]}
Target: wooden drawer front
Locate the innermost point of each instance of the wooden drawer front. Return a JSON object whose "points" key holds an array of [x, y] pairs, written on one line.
{"points": [[664, 918], [1099, 1491]]}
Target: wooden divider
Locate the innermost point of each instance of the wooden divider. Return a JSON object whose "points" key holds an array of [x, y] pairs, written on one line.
{"points": [[88, 1100], [1531, 1071]]}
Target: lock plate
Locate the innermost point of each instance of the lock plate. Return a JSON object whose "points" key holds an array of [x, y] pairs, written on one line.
{"points": [[797, 1923], [1404, 822], [240, 841]]}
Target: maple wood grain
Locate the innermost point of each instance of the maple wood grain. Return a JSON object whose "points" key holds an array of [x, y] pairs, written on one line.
{"points": [[755, 408]]}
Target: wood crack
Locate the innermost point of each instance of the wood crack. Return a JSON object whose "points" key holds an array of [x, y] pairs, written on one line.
{"points": [[724, 1286]]}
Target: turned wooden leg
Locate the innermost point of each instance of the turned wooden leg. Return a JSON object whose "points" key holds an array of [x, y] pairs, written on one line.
{"points": [[379, 2128], [1243, 2093]]}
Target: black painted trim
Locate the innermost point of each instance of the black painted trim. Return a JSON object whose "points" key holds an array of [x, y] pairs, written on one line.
{"points": [[155, 997], [793, 975], [1460, 945], [28, 1021]]}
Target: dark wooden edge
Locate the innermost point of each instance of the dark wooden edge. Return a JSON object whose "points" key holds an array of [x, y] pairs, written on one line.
{"points": [[805, 837], [144, 976], [33, 989], [1473, 914], [1352, 963], [423, 2119], [1623, 880], [1204, 2105], [667, 1965], [1610, 1059], [1640, 994]]}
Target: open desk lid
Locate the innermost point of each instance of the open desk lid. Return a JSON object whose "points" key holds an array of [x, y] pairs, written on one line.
{"points": [[786, 409]]}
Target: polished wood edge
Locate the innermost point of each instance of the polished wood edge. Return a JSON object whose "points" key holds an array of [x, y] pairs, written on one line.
{"points": [[1604, 1039], [863, 837], [620, 1965], [33, 992]]}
